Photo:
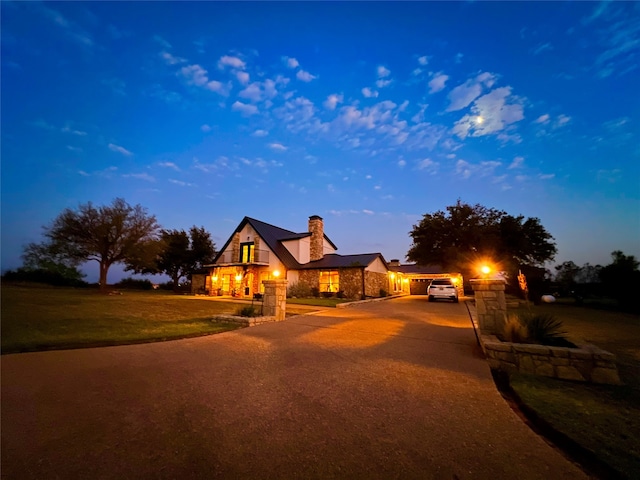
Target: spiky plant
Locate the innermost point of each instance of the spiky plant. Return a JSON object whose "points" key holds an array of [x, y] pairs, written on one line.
{"points": [[543, 328]]}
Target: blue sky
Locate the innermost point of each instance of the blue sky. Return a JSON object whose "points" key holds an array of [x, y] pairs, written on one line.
{"points": [[367, 114]]}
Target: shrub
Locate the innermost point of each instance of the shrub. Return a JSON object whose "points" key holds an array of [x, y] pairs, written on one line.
{"points": [[248, 311], [134, 284], [315, 291], [327, 294], [42, 276], [299, 290], [383, 292], [544, 329], [515, 331], [340, 294]]}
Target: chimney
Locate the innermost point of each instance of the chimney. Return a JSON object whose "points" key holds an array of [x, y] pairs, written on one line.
{"points": [[394, 262], [316, 227]]}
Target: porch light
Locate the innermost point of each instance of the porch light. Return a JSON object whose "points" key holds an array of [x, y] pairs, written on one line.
{"points": [[485, 269], [215, 279], [405, 280], [392, 275], [238, 278], [455, 280], [276, 273]]}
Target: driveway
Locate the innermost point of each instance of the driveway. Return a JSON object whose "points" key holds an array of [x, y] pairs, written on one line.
{"points": [[393, 389]]}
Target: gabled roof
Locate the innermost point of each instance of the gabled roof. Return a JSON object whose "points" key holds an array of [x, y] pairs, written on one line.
{"points": [[333, 260], [417, 269], [273, 236]]}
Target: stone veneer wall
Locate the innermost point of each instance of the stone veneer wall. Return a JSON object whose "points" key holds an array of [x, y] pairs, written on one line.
{"points": [[351, 282], [316, 227], [198, 283], [274, 302], [587, 363], [245, 321], [311, 278], [235, 247], [374, 282], [491, 304]]}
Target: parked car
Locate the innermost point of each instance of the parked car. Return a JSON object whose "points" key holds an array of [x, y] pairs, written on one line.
{"points": [[442, 288]]}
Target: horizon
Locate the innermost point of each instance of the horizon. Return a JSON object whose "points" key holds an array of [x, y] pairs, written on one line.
{"points": [[367, 114]]}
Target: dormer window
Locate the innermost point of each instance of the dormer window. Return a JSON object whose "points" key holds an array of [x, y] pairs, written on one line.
{"points": [[246, 252]]}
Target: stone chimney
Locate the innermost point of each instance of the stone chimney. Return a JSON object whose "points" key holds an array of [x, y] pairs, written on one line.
{"points": [[394, 262], [316, 227]]}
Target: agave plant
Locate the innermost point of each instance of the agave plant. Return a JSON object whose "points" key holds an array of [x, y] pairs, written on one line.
{"points": [[543, 328], [514, 330]]}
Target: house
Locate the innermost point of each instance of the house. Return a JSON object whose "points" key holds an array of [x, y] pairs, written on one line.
{"points": [[258, 251], [420, 276]]}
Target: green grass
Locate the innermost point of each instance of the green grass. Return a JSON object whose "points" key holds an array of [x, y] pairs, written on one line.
{"points": [[602, 419], [317, 302], [42, 318]]}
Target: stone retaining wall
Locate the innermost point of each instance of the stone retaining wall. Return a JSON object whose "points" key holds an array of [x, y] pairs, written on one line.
{"points": [[586, 363], [244, 321]]}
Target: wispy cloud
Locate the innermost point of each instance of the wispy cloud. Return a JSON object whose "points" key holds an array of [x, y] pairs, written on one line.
{"points": [[332, 101], [462, 95], [305, 76], [119, 149], [171, 59], [260, 133], [180, 183], [543, 47], [438, 82], [140, 176], [517, 163], [291, 62], [244, 109], [368, 93], [231, 61], [277, 146], [171, 165]]}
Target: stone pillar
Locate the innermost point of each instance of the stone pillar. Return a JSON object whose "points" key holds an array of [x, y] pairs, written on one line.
{"points": [[316, 247], [274, 303], [491, 305]]}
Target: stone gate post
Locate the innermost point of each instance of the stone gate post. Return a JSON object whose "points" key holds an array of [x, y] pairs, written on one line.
{"points": [[274, 303], [491, 304]]}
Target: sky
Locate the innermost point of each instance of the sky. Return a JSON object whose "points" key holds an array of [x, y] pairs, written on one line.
{"points": [[369, 114]]}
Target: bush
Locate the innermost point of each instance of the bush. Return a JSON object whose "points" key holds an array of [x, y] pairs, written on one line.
{"points": [[383, 292], [248, 311], [299, 290], [315, 291], [42, 276], [134, 284], [542, 329], [515, 331], [327, 294]]}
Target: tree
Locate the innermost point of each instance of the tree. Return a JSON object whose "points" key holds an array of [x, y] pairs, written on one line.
{"points": [[177, 253], [107, 234], [465, 234], [566, 275], [52, 261], [621, 278]]}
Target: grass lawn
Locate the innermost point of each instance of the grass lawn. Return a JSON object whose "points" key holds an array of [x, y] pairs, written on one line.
{"points": [[42, 318], [317, 302], [604, 420]]}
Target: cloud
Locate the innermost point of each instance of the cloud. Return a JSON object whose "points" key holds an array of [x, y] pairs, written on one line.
{"points": [[492, 113], [244, 108], [517, 163], [260, 133], [80, 133], [542, 48], [305, 76], [368, 93], [119, 149], [427, 164], [229, 61], [562, 120], [195, 75], [291, 62], [171, 165], [72, 30], [381, 83], [205, 128], [74, 149], [437, 83], [277, 146], [161, 41], [463, 168], [180, 183], [243, 77], [140, 176], [368, 212], [170, 59], [332, 101], [547, 176], [543, 119], [424, 60], [383, 71], [464, 94]]}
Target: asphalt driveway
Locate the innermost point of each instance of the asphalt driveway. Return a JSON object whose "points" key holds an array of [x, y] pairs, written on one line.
{"points": [[393, 389]]}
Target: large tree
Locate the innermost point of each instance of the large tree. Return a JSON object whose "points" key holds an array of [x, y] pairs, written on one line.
{"points": [[463, 234], [621, 278], [176, 253], [107, 234]]}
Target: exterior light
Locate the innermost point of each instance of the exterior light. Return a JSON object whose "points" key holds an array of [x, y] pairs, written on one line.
{"points": [[215, 279], [405, 280], [276, 273], [455, 280], [485, 269], [392, 275], [238, 278]]}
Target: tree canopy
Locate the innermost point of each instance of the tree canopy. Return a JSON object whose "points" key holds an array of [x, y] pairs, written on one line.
{"points": [[464, 234], [107, 234], [176, 253]]}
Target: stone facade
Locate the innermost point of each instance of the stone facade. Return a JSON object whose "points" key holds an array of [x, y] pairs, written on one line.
{"points": [[316, 227], [587, 363], [274, 303], [235, 247], [351, 282], [311, 278], [491, 305], [374, 282]]}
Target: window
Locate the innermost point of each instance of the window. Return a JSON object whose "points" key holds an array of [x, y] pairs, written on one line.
{"points": [[329, 281], [246, 252]]}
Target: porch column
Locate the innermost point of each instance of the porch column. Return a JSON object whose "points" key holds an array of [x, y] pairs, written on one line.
{"points": [[491, 305], [275, 299]]}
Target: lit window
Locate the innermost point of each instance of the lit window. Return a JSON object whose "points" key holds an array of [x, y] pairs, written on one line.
{"points": [[246, 252], [329, 281]]}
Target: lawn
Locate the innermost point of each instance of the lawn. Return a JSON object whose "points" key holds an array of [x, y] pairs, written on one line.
{"points": [[603, 420], [43, 318]]}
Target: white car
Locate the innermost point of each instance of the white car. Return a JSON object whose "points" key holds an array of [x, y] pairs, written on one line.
{"points": [[443, 288]]}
